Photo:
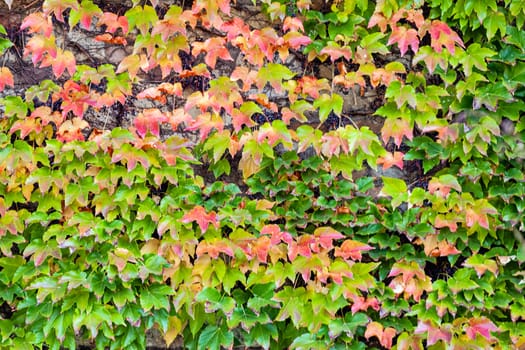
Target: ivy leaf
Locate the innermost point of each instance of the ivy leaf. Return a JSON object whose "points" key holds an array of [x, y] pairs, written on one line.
{"points": [[496, 21], [481, 264], [395, 188], [335, 51], [113, 22], [62, 61], [58, 7], [352, 250], [443, 184], [327, 104], [213, 337], [475, 56], [391, 159], [404, 37], [434, 332], [385, 335], [431, 58], [218, 143], [397, 129], [274, 74], [6, 78], [477, 214], [175, 327], [214, 48], [481, 325], [201, 217], [150, 120], [142, 17], [39, 46], [441, 35], [84, 14], [38, 23]]}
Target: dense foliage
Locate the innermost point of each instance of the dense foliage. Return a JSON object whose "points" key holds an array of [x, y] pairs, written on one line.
{"points": [[245, 205]]}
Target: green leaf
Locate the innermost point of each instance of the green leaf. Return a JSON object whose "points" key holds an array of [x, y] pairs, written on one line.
{"points": [[395, 188], [213, 337], [274, 73], [328, 104], [142, 18], [475, 57], [155, 297], [494, 22]]}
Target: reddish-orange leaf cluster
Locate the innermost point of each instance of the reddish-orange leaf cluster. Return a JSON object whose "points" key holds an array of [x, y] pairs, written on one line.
{"points": [[110, 39], [199, 215]]}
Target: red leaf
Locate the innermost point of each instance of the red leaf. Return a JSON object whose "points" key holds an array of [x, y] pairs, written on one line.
{"points": [[301, 247], [198, 214], [379, 20], [361, 303], [150, 120], [335, 51], [205, 122], [295, 40], [404, 37], [434, 247], [213, 48], [6, 78], [352, 250], [26, 126], [481, 325], [239, 119], [386, 339], [38, 23], [235, 27], [326, 235], [63, 60], [277, 236], [311, 86], [442, 35], [113, 22], [172, 23]]}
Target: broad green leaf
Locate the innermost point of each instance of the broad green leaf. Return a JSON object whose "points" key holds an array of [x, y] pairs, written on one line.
{"points": [[328, 104], [213, 337]]}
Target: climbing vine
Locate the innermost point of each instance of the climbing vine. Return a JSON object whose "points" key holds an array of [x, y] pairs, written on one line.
{"points": [[247, 202]]}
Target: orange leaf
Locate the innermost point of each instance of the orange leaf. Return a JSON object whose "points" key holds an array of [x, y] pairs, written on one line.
{"points": [[374, 329], [198, 214], [351, 250], [6, 78], [110, 39], [391, 159]]}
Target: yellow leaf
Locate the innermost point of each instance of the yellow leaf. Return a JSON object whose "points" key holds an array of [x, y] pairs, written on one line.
{"points": [[175, 327]]}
